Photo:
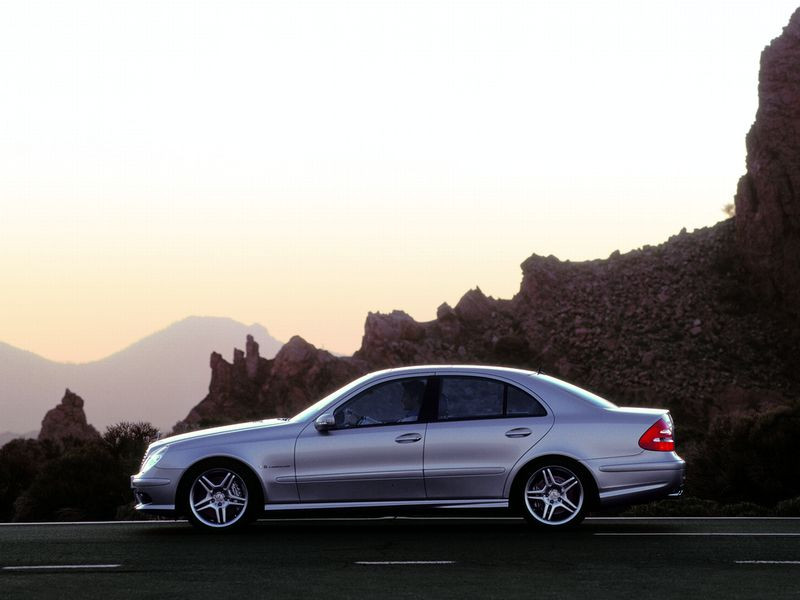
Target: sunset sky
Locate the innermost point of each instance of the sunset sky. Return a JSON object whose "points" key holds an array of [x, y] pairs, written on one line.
{"points": [[299, 164]]}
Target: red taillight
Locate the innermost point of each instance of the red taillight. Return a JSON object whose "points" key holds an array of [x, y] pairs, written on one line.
{"points": [[659, 436]]}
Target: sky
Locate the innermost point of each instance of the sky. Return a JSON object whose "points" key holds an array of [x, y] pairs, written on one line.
{"points": [[299, 164]]}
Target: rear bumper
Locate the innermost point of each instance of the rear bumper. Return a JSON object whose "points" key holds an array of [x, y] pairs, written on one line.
{"points": [[649, 476]]}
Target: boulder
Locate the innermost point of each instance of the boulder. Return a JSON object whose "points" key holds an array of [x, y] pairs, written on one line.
{"points": [[67, 421]]}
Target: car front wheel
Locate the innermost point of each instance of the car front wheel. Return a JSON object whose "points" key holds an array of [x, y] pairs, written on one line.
{"points": [[554, 496], [219, 496]]}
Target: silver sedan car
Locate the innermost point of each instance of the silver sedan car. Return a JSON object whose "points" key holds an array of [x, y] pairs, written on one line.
{"points": [[428, 436]]}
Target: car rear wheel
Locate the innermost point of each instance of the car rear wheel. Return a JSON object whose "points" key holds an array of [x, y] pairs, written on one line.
{"points": [[220, 496], [554, 496]]}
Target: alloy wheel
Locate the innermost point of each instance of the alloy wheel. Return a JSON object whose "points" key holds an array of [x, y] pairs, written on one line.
{"points": [[554, 495], [218, 498]]}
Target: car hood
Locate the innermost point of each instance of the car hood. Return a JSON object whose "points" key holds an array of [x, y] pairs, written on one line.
{"points": [[213, 431]]}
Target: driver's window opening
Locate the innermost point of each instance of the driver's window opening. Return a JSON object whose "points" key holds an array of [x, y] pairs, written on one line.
{"points": [[387, 403]]}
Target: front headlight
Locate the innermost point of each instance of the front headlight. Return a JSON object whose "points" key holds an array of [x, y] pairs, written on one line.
{"points": [[151, 460]]}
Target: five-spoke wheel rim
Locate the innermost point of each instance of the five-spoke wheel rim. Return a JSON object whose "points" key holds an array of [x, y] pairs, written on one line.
{"points": [[554, 495], [218, 497]]}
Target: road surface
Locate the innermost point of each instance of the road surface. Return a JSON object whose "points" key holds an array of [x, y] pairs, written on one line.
{"points": [[404, 558]]}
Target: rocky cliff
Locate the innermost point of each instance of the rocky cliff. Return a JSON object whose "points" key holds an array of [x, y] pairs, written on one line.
{"points": [[671, 325], [768, 195], [689, 324], [252, 387], [67, 421]]}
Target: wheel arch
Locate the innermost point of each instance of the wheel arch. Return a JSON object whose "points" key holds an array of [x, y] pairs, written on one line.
{"points": [[185, 477], [524, 470]]}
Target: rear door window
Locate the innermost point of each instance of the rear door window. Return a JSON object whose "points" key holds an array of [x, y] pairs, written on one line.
{"points": [[479, 398], [470, 398]]}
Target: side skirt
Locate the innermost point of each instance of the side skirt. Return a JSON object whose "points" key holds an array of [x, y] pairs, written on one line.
{"points": [[474, 503], [159, 510]]}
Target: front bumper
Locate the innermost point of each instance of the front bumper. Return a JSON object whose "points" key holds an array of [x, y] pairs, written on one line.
{"points": [[155, 492]]}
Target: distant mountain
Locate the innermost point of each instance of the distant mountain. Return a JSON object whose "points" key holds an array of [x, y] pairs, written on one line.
{"points": [[7, 436], [156, 379]]}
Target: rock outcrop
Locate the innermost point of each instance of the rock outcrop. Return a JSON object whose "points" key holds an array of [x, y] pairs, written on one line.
{"points": [[687, 325], [254, 388], [672, 325], [67, 421], [768, 195]]}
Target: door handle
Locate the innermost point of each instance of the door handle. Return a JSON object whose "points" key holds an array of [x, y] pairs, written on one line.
{"points": [[408, 438], [518, 432]]}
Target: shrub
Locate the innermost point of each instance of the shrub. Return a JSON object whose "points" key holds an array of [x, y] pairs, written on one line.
{"points": [[128, 442], [82, 484], [695, 507], [72, 479], [20, 460], [751, 459]]}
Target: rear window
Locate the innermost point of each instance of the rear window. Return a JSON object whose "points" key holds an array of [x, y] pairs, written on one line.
{"points": [[580, 392], [520, 404]]}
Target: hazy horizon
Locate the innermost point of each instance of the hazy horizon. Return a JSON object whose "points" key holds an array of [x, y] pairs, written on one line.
{"points": [[299, 164], [158, 379], [149, 334]]}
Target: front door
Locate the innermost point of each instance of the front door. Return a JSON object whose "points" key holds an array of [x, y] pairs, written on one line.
{"points": [[373, 453]]}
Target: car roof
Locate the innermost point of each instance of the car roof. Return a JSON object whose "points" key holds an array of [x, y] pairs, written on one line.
{"points": [[474, 369]]}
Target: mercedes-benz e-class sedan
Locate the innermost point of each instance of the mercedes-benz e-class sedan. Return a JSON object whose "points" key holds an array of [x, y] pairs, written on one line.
{"points": [[428, 436]]}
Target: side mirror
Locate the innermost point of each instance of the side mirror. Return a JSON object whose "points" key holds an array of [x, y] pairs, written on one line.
{"points": [[324, 422]]}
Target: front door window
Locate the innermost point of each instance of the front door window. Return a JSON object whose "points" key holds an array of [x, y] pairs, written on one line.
{"points": [[383, 404]]}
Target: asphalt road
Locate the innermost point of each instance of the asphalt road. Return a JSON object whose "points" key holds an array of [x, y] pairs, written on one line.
{"points": [[405, 558]]}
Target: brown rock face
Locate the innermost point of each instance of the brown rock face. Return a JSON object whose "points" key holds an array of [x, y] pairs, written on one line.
{"points": [[768, 196], [255, 388], [67, 420], [677, 325], [672, 326], [390, 339]]}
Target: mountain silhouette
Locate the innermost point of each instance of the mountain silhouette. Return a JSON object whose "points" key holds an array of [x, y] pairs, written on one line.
{"points": [[157, 379]]}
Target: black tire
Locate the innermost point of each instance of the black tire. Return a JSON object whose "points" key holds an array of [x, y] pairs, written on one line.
{"points": [[553, 494], [220, 495]]}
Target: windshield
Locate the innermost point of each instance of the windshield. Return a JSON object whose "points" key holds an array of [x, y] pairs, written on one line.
{"points": [[318, 406], [580, 392]]}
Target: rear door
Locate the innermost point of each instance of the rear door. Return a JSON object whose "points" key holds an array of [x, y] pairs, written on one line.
{"points": [[480, 429]]}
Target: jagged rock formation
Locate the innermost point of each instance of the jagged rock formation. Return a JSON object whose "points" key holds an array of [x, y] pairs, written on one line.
{"points": [[671, 325], [680, 325], [67, 421], [768, 196], [253, 387]]}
